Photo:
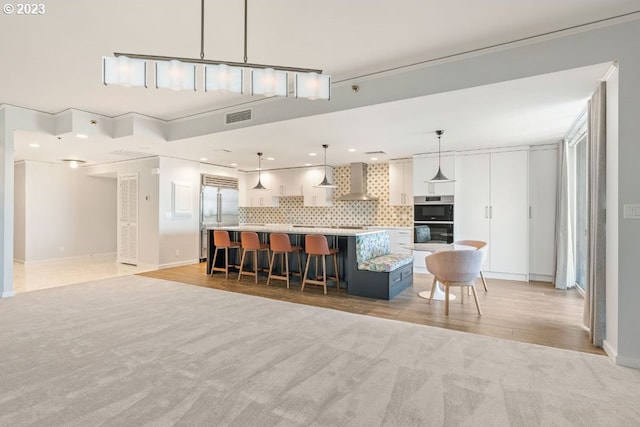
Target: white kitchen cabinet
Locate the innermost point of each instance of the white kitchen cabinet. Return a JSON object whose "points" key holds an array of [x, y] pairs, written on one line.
{"points": [[313, 195], [403, 242], [401, 182], [287, 182], [260, 198], [543, 181], [492, 206], [425, 167], [400, 238]]}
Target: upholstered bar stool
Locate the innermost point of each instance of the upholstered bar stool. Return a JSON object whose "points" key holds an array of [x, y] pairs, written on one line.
{"points": [[316, 246], [251, 243], [280, 244], [221, 240]]}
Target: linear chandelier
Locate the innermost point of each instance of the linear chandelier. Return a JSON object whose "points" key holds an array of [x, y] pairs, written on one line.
{"points": [[130, 69]]}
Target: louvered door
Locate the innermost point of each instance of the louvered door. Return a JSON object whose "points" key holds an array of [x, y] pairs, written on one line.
{"points": [[128, 219]]}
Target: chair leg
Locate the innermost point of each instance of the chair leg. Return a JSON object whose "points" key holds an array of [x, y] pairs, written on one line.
{"points": [[335, 266], [446, 298], [484, 282], [213, 261], [273, 257], [255, 265], [226, 263], [475, 295], [241, 265], [306, 270], [324, 273], [286, 266], [433, 289]]}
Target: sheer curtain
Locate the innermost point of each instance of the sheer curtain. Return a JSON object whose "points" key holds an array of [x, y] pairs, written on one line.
{"points": [[594, 309], [565, 274]]}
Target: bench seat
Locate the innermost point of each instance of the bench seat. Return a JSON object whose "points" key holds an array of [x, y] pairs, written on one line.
{"points": [[386, 263]]}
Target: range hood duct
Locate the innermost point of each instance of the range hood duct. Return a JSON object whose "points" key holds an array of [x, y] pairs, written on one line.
{"points": [[358, 188]]}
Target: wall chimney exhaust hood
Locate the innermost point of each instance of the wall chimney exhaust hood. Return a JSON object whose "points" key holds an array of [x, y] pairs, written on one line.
{"points": [[358, 188]]}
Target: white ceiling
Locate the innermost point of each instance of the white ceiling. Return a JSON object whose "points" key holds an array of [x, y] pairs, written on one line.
{"points": [[345, 38]]}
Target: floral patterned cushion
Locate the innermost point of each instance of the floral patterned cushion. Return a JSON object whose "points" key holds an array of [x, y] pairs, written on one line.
{"points": [[386, 263], [371, 245]]}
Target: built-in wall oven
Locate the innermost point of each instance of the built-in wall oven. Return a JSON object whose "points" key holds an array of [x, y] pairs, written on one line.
{"points": [[433, 219]]}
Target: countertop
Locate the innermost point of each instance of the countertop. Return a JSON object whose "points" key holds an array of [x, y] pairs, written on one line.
{"points": [[292, 229]]}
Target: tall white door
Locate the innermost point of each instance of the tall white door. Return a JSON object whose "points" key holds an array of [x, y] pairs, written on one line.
{"points": [[473, 202], [509, 212], [543, 181], [128, 219]]}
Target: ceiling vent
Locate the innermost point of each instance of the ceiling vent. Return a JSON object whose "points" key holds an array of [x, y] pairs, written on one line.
{"points": [[374, 152], [238, 116]]}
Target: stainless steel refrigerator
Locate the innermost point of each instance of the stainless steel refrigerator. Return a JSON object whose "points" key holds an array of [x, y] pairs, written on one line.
{"points": [[218, 205]]}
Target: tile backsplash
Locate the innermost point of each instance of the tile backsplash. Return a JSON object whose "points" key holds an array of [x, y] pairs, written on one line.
{"points": [[291, 209]]}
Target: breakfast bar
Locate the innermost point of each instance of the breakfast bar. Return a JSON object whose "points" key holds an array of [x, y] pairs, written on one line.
{"points": [[365, 266]]}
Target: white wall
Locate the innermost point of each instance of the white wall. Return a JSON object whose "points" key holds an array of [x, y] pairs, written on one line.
{"points": [[18, 212], [148, 202], [66, 213], [612, 215]]}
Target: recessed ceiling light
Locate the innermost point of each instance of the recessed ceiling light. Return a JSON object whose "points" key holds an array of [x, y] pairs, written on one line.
{"points": [[82, 136], [203, 159], [351, 150], [270, 158], [374, 158], [307, 164], [313, 154], [234, 164], [34, 145]]}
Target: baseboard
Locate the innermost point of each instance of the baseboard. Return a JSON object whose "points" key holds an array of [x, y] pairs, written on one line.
{"points": [[7, 294], [611, 352], [179, 263], [69, 258], [18, 261], [541, 278], [506, 276]]}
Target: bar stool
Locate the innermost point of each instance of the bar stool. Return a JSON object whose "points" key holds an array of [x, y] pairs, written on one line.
{"points": [[221, 240], [280, 244], [316, 245], [251, 243]]}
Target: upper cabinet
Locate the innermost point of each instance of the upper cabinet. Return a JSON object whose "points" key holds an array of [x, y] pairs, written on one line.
{"points": [[287, 182], [401, 182], [257, 198], [313, 195], [425, 167]]}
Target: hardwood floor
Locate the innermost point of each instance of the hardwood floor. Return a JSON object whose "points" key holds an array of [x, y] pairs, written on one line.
{"points": [[533, 312]]}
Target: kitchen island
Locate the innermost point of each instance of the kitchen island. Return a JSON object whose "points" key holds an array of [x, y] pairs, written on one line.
{"points": [[342, 238]]}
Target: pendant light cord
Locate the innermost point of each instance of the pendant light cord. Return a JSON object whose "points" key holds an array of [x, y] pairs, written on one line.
{"points": [[439, 152], [202, 29], [245, 31]]}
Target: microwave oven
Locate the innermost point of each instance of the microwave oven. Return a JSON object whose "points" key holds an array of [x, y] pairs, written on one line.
{"points": [[433, 212]]}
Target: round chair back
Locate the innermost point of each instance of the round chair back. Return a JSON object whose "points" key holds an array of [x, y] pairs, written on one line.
{"points": [[280, 242], [316, 245], [249, 240], [455, 266], [478, 244], [221, 238]]}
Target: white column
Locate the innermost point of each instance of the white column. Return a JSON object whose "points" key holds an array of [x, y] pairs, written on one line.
{"points": [[6, 207]]}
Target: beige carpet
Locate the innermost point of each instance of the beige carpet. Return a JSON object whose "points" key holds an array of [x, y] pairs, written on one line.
{"points": [[135, 351]]}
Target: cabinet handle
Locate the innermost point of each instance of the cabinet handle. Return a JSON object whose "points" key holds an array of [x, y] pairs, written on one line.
{"points": [[486, 212], [490, 211], [529, 212]]}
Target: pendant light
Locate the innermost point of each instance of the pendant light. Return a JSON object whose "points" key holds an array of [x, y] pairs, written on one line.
{"points": [[259, 185], [440, 177], [325, 182]]}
